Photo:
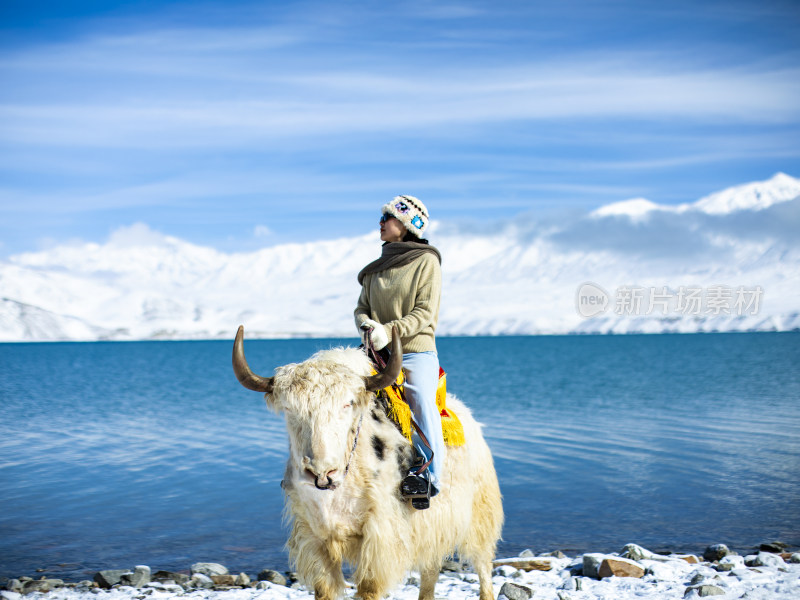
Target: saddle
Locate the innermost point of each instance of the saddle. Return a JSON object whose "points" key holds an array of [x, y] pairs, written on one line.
{"points": [[399, 411], [416, 485]]}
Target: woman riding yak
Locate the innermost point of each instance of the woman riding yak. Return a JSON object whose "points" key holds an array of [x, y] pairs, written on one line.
{"points": [[402, 289]]}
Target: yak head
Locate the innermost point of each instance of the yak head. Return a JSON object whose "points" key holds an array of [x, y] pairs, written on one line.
{"points": [[324, 400]]}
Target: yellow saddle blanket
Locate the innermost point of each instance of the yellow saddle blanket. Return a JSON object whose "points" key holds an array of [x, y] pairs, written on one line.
{"points": [[400, 411]]}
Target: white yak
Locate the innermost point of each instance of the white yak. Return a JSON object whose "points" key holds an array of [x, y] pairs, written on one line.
{"points": [[342, 481]]}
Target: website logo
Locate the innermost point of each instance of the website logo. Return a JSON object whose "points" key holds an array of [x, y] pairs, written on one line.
{"points": [[591, 300]]}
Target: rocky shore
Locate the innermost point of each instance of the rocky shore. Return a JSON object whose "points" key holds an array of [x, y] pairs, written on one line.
{"points": [[769, 572]]}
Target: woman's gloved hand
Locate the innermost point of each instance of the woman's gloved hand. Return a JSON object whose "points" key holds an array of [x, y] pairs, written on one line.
{"points": [[377, 334]]}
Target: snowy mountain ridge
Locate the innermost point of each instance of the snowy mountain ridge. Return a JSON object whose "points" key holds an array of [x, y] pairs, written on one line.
{"points": [[524, 278], [751, 196]]}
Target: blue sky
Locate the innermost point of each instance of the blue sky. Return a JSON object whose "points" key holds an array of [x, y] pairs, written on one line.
{"points": [[245, 124]]}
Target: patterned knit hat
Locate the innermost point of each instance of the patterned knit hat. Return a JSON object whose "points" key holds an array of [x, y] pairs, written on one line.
{"points": [[410, 211]]}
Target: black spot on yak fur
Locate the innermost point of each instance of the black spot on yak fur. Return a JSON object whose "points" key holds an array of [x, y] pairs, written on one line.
{"points": [[381, 403], [379, 446], [405, 458], [382, 406]]}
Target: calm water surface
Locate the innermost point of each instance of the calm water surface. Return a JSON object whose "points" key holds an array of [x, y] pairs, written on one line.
{"points": [[116, 454]]}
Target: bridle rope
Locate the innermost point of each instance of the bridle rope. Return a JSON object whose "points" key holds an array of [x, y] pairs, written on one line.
{"points": [[355, 443]]}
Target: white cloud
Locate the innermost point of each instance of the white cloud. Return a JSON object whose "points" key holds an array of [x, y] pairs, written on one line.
{"points": [[261, 231], [314, 104], [227, 87], [135, 236]]}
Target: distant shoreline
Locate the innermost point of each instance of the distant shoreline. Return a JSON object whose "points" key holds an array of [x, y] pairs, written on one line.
{"points": [[355, 341]]}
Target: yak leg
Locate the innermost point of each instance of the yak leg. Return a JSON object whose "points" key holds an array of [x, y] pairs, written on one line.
{"points": [[328, 588], [320, 594], [427, 583], [487, 514], [318, 562], [484, 571], [327, 579], [368, 590]]}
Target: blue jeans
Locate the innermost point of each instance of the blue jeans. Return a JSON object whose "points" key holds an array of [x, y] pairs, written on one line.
{"points": [[422, 379]]}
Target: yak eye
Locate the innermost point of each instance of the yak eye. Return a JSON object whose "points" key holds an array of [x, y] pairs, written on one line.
{"points": [[347, 405]]}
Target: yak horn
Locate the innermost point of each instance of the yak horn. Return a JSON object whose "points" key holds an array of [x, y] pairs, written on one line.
{"points": [[390, 372], [243, 373]]}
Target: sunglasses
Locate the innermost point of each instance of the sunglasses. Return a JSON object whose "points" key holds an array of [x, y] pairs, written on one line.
{"points": [[385, 217]]}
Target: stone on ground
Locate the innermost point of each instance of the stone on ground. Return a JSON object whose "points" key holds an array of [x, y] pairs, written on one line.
{"points": [[716, 552], [110, 577], [42, 585], [514, 591], [774, 547], [272, 577], [703, 591], [619, 567], [525, 564], [165, 576], [689, 558], [767, 559], [139, 578], [209, 569], [636, 552], [202, 581], [591, 564]]}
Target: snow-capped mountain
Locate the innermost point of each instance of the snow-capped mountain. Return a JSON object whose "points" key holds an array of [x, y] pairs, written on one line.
{"points": [[752, 196], [728, 262]]}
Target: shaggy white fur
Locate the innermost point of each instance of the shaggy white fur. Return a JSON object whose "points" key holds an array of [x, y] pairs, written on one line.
{"points": [[360, 518]]}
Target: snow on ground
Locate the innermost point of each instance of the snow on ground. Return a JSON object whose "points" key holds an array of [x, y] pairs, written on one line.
{"points": [[665, 578]]}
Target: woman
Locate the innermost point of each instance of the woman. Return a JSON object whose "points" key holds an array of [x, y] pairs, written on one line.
{"points": [[402, 289]]}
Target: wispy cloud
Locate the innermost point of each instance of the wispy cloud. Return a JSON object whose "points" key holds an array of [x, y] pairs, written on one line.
{"points": [[261, 231], [277, 103], [508, 105], [681, 239]]}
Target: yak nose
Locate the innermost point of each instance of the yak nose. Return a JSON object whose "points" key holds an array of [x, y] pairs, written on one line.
{"points": [[320, 475]]}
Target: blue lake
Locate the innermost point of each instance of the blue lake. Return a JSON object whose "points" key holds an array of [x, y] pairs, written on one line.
{"points": [[117, 454]]}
